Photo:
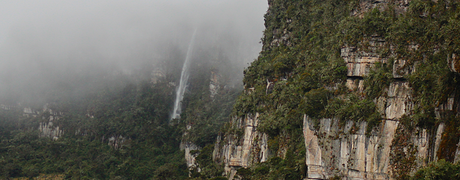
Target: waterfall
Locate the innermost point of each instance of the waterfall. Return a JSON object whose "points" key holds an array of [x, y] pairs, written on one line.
{"points": [[183, 80]]}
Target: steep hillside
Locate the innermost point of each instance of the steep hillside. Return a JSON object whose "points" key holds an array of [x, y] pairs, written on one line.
{"points": [[348, 89], [120, 127], [118, 131]]}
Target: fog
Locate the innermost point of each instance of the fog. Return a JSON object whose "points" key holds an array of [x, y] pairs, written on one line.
{"points": [[51, 41]]}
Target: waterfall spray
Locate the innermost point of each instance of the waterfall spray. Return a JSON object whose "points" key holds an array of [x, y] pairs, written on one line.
{"points": [[183, 80]]}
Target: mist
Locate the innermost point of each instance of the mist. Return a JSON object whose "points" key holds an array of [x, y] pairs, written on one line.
{"points": [[43, 43]]}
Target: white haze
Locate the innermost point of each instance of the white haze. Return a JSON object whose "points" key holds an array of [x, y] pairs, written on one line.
{"points": [[47, 41]]}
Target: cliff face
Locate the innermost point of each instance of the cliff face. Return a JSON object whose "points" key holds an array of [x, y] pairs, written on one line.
{"points": [[207, 105], [47, 128], [342, 140], [244, 149]]}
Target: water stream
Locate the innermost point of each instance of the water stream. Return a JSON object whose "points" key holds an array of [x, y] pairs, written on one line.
{"points": [[183, 80]]}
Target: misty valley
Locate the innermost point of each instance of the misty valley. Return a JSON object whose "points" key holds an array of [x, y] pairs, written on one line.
{"points": [[120, 90], [230, 89]]}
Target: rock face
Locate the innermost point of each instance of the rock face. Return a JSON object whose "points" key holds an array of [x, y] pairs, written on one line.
{"points": [[50, 131], [335, 150], [190, 157], [47, 128], [188, 147], [29, 112], [349, 151], [358, 64], [245, 148], [117, 142], [214, 84], [6, 107], [454, 63]]}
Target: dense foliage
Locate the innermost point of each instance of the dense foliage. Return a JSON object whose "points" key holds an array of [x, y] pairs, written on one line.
{"points": [[437, 171], [137, 111], [117, 126], [204, 114]]}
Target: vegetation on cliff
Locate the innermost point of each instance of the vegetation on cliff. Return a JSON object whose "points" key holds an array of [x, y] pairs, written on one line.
{"points": [[300, 69]]}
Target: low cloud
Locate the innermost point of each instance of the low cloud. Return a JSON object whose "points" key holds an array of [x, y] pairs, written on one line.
{"points": [[49, 41]]}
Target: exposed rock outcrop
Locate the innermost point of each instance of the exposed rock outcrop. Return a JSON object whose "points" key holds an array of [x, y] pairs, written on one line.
{"points": [[48, 128], [454, 63], [244, 149], [50, 131], [118, 142], [214, 84], [333, 151], [191, 153], [6, 107]]}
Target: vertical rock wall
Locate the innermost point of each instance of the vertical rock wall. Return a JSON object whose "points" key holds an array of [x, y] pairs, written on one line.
{"points": [[188, 147], [343, 150], [47, 128], [242, 150], [347, 151]]}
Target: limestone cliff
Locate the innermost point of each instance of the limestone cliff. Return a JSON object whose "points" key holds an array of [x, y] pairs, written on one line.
{"points": [[409, 131], [242, 150], [47, 128]]}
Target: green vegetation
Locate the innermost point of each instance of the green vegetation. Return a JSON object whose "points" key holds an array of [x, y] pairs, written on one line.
{"points": [[450, 138], [438, 170], [403, 151], [138, 112], [299, 72], [129, 113], [209, 169], [206, 115], [116, 126], [354, 109], [300, 69], [292, 166], [378, 80], [306, 69]]}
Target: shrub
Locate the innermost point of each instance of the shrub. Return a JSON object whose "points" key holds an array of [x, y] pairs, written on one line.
{"points": [[439, 170]]}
